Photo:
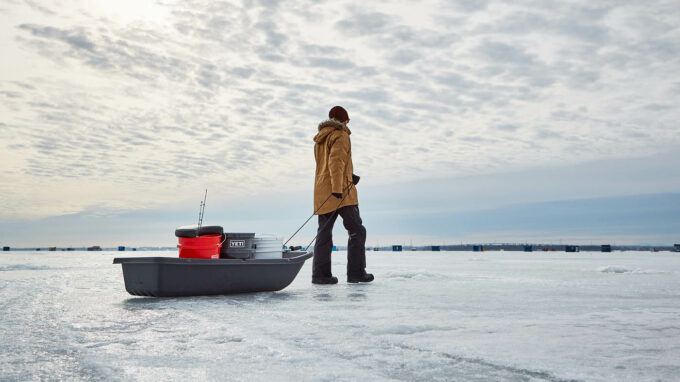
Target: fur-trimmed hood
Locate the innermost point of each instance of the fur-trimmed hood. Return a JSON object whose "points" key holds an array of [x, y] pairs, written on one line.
{"points": [[327, 127]]}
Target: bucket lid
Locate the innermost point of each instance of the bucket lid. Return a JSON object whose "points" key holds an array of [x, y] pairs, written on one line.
{"points": [[193, 231]]}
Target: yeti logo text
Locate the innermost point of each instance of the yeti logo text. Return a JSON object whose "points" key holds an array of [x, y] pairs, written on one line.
{"points": [[237, 244]]}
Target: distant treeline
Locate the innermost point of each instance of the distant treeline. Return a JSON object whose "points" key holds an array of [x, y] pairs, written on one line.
{"points": [[401, 247], [528, 247], [95, 248]]}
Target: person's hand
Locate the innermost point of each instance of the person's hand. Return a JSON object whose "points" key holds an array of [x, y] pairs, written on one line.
{"points": [[355, 179], [337, 195]]}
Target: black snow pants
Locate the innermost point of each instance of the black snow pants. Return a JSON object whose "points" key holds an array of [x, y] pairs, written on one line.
{"points": [[356, 245]]}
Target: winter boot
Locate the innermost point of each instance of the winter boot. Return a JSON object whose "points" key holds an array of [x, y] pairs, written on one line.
{"points": [[365, 278], [325, 280]]}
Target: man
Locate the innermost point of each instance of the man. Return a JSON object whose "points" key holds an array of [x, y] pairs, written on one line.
{"points": [[335, 194]]}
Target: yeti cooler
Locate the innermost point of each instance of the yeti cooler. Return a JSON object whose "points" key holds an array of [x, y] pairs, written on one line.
{"points": [[238, 246]]}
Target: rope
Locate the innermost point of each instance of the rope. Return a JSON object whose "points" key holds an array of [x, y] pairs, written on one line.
{"points": [[330, 220], [317, 210]]}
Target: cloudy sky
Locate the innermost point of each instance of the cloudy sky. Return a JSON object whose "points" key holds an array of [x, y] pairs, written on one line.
{"points": [[466, 117]]}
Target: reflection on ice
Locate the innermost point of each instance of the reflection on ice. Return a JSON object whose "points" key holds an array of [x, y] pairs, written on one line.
{"points": [[356, 296], [323, 296]]}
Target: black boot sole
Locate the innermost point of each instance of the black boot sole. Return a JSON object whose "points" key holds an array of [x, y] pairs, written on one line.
{"points": [[356, 281], [325, 281]]}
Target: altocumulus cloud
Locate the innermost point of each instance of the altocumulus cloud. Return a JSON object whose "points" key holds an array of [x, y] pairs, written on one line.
{"points": [[122, 112]]}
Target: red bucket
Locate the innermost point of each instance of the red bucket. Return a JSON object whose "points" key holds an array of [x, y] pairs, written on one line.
{"points": [[202, 247]]}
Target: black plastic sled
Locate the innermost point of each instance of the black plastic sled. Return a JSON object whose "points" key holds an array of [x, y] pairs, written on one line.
{"points": [[174, 277]]}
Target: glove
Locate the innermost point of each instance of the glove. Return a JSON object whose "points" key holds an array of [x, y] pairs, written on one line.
{"points": [[355, 179], [337, 195]]}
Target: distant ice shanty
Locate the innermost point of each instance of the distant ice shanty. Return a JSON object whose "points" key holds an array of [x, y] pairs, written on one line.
{"points": [[436, 248], [606, 248], [572, 248], [5, 249], [478, 248], [397, 248], [121, 248], [528, 248], [677, 247]]}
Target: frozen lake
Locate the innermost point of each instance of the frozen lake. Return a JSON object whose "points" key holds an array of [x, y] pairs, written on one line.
{"points": [[428, 316]]}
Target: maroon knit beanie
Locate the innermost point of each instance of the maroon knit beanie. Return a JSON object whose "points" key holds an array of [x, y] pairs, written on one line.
{"points": [[338, 113]]}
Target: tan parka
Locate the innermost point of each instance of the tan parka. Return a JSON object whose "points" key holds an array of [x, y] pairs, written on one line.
{"points": [[333, 154]]}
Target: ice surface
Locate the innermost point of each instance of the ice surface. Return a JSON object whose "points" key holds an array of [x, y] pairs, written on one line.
{"points": [[429, 316]]}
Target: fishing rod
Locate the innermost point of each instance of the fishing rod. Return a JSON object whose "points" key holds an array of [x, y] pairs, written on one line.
{"points": [[201, 212], [317, 210]]}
